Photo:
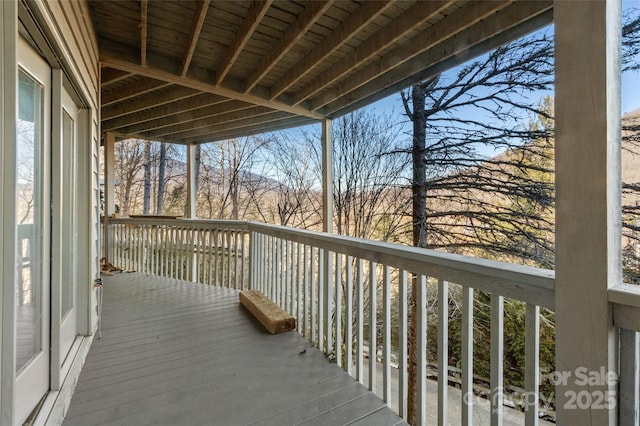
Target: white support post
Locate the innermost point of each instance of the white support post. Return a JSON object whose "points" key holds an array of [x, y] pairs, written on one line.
{"points": [[373, 326], [532, 364], [348, 317], [57, 224], [467, 356], [443, 352], [8, 120], [108, 188], [327, 226], [359, 321], [497, 359], [403, 378], [629, 378], [588, 213], [190, 210], [253, 253], [421, 353]]}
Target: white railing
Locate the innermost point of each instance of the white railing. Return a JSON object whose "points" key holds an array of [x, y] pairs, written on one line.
{"points": [[203, 251], [625, 300], [320, 277], [325, 281]]}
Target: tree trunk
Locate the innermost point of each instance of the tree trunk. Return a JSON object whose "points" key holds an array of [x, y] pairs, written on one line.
{"points": [[235, 184], [147, 178], [162, 164], [419, 227], [198, 161]]}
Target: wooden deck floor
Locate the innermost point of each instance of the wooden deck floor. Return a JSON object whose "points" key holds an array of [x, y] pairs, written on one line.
{"points": [[175, 353]]}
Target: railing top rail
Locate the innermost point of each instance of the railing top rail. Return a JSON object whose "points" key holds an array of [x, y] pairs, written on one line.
{"points": [[520, 282], [199, 223], [525, 283], [625, 294], [626, 305]]}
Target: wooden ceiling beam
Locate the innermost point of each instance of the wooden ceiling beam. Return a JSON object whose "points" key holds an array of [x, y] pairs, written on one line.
{"points": [[196, 27], [109, 76], [312, 12], [444, 29], [132, 90], [413, 17], [201, 84], [251, 130], [187, 118], [226, 121], [256, 12], [144, 102], [143, 32], [180, 106], [414, 71], [366, 13]]}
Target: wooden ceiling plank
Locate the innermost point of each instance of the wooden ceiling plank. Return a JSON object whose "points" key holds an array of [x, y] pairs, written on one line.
{"points": [[143, 32], [222, 121], [142, 103], [413, 17], [414, 71], [312, 12], [251, 130], [444, 29], [256, 12], [132, 90], [192, 41], [180, 106], [225, 126], [160, 74], [192, 117], [361, 17], [110, 76]]}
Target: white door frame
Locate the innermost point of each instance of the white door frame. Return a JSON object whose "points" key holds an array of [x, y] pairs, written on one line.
{"points": [[63, 228], [85, 191], [32, 381], [8, 119]]}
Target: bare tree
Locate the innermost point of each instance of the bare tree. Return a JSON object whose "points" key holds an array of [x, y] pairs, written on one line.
{"points": [[129, 160], [366, 174], [296, 182], [631, 40], [455, 119], [225, 177], [147, 178]]}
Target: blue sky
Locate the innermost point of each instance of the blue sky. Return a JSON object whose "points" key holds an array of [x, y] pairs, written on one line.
{"points": [[630, 91], [630, 86]]}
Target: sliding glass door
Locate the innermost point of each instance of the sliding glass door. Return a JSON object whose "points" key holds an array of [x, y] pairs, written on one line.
{"points": [[32, 283]]}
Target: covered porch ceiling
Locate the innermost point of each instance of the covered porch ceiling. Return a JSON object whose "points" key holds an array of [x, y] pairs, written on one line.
{"points": [[201, 71]]}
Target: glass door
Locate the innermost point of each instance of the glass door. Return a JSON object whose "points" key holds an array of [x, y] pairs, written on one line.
{"points": [[68, 236], [32, 229]]}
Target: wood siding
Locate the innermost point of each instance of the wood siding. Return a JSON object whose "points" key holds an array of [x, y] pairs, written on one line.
{"points": [[64, 33]]}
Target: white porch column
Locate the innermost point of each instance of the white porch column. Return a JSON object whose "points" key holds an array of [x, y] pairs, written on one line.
{"points": [[587, 144], [327, 226], [190, 208], [108, 188]]}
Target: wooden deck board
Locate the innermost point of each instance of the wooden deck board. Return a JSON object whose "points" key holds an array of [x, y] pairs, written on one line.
{"points": [[175, 353]]}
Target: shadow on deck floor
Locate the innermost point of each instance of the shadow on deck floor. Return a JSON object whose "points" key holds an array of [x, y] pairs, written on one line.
{"points": [[175, 353]]}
